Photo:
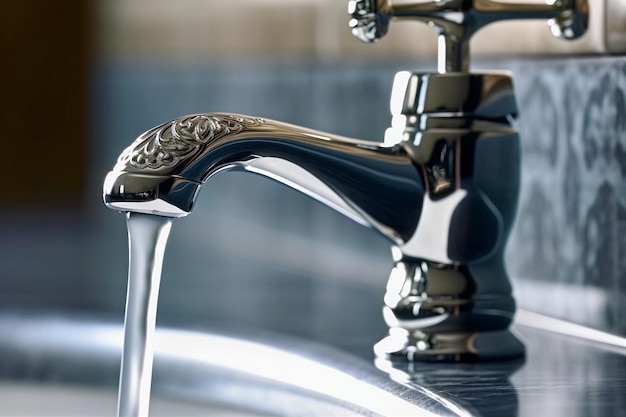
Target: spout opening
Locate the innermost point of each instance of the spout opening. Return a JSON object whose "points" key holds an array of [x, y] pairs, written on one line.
{"points": [[149, 194]]}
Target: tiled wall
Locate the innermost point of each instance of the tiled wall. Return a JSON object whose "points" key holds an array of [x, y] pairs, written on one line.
{"points": [[568, 250]]}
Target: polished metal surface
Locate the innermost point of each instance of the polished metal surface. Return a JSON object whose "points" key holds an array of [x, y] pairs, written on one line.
{"points": [[562, 375], [442, 188], [456, 21], [161, 172], [437, 313], [265, 374], [67, 400], [270, 374]]}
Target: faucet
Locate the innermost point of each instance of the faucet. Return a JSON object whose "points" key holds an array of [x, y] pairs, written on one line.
{"points": [[442, 187]]}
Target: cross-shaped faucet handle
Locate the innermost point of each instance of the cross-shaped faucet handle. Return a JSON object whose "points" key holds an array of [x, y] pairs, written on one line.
{"points": [[457, 21]]}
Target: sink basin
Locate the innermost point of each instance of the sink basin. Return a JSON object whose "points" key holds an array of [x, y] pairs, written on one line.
{"points": [[36, 400], [67, 366]]}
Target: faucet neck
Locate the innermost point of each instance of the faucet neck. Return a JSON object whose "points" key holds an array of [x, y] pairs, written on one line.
{"points": [[458, 130]]}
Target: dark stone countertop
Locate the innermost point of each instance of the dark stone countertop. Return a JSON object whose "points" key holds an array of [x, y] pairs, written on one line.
{"points": [[561, 376]]}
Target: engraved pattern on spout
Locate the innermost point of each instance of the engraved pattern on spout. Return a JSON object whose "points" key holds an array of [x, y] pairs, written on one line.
{"points": [[182, 138]]}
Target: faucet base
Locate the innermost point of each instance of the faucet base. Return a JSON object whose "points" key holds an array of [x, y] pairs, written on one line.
{"points": [[448, 313], [414, 345]]}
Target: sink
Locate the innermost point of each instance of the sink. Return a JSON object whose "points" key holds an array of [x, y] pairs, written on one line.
{"points": [[36, 399], [69, 366]]}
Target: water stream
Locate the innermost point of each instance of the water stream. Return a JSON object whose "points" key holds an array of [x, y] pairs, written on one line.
{"points": [[147, 237]]}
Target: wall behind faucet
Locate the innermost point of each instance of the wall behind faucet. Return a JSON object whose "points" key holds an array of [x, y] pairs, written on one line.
{"points": [[317, 28], [568, 251]]}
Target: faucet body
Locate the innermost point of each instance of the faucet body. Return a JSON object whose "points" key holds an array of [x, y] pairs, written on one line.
{"points": [[442, 188]]}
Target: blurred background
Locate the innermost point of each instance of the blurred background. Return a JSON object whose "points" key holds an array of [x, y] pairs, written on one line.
{"points": [[81, 79]]}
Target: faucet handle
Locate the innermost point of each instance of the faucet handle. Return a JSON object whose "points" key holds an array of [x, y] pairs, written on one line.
{"points": [[457, 21], [370, 19]]}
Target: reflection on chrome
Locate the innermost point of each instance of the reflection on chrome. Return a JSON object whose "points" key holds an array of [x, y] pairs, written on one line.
{"points": [[471, 385], [281, 366]]}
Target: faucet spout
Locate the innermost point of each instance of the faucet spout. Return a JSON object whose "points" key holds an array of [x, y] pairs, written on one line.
{"points": [[161, 172]]}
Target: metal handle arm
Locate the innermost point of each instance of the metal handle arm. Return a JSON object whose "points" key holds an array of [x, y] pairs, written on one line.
{"points": [[457, 21]]}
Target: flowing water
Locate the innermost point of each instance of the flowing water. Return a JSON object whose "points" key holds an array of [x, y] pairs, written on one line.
{"points": [[147, 236]]}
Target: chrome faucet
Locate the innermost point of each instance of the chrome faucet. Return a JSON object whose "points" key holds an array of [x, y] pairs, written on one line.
{"points": [[442, 187]]}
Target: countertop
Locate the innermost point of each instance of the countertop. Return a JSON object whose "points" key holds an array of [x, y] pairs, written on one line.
{"points": [[561, 374]]}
